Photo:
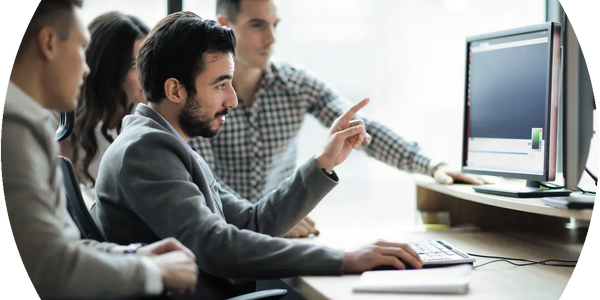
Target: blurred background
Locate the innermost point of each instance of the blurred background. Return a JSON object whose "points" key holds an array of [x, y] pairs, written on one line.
{"points": [[408, 56]]}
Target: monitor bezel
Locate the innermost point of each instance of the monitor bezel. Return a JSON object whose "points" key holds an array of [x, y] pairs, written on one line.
{"points": [[550, 135], [578, 108]]}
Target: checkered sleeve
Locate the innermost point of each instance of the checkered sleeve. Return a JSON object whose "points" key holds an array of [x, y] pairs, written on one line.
{"points": [[387, 146], [204, 149]]}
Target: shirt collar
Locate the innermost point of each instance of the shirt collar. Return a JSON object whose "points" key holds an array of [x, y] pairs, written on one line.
{"points": [[170, 127], [22, 104], [272, 74]]}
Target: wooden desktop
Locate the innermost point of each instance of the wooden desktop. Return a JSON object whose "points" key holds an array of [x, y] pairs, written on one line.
{"points": [[510, 227]]}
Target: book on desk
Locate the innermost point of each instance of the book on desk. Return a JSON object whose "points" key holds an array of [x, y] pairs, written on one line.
{"points": [[448, 280]]}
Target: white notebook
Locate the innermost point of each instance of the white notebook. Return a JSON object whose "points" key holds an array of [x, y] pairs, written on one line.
{"points": [[447, 280]]}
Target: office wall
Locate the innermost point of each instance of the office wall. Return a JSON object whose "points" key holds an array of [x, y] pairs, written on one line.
{"points": [[149, 11]]}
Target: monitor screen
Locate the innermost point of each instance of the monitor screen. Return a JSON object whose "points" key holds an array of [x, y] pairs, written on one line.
{"points": [[509, 93]]}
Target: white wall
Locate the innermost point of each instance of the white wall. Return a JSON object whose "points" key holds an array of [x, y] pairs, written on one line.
{"points": [[149, 11]]}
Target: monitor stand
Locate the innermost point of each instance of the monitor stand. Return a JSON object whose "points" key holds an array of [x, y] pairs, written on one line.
{"points": [[532, 189]]}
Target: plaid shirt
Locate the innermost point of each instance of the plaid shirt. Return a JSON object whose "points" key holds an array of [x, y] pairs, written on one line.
{"points": [[256, 149]]}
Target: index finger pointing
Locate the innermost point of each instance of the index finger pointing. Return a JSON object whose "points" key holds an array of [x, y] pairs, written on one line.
{"points": [[349, 114]]}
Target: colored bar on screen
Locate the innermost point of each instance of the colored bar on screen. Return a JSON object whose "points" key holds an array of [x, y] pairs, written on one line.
{"points": [[536, 137]]}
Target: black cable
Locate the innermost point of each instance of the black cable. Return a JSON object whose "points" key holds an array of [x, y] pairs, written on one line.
{"points": [[595, 182], [521, 259], [504, 260], [550, 186], [592, 175], [543, 262], [528, 262], [587, 170], [586, 192], [589, 192]]}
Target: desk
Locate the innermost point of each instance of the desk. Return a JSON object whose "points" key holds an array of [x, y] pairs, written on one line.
{"points": [[498, 213], [494, 281]]}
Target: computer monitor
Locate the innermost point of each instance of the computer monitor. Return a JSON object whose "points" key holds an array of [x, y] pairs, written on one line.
{"points": [[578, 106], [511, 108], [577, 122]]}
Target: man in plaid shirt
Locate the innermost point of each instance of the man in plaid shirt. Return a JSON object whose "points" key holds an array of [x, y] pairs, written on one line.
{"points": [[256, 150]]}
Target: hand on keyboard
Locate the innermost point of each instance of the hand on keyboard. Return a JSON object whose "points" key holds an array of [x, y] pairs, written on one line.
{"points": [[436, 251], [381, 253]]}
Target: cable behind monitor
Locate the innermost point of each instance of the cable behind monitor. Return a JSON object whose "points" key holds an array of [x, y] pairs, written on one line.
{"points": [[527, 262]]}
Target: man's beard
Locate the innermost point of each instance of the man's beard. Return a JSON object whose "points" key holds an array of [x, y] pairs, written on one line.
{"points": [[194, 123]]}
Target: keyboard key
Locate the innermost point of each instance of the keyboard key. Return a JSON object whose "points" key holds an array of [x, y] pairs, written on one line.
{"points": [[434, 251]]}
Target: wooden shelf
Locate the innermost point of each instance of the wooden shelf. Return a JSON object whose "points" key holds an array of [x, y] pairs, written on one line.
{"points": [[529, 205]]}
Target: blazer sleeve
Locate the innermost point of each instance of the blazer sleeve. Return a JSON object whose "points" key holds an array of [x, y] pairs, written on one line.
{"points": [[279, 211], [158, 186], [58, 263]]}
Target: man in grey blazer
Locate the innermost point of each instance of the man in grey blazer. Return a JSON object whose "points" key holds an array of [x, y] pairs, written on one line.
{"points": [[47, 75], [151, 184]]}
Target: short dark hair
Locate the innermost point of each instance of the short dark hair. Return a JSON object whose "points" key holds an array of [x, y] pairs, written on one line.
{"points": [[229, 8], [57, 14], [113, 35], [176, 48]]}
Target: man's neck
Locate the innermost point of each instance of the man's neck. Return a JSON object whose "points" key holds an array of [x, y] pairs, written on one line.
{"points": [[245, 82], [170, 116], [29, 82]]}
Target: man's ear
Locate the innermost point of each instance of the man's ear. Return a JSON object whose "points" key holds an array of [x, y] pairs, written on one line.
{"points": [[222, 20], [175, 91], [47, 43]]}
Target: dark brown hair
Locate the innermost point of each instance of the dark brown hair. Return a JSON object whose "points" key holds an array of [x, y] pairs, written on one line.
{"points": [[57, 14], [113, 36], [176, 48]]}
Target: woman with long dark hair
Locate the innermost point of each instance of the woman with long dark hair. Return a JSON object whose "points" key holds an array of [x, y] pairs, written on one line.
{"points": [[110, 92]]}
